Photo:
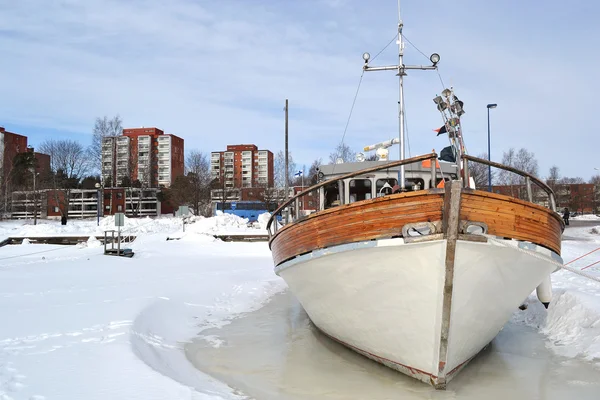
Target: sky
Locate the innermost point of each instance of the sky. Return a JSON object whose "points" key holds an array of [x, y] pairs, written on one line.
{"points": [[218, 73]]}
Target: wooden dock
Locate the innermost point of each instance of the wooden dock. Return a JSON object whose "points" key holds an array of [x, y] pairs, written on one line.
{"points": [[63, 240], [243, 238]]}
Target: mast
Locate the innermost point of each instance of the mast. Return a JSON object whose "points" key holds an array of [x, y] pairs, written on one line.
{"points": [[286, 158], [400, 41], [401, 72]]}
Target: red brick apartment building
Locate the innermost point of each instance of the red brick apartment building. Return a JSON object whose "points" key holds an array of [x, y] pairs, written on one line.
{"points": [[242, 166], [12, 144], [578, 197], [145, 154]]}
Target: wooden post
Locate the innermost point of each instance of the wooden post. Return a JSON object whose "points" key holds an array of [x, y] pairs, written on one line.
{"points": [[433, 180], [341, 191], [296, 208], [465, 172], [451, 219]]}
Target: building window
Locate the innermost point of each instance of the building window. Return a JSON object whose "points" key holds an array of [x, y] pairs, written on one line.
{"points": [[119, 196], [119, 208], [55, 209]]}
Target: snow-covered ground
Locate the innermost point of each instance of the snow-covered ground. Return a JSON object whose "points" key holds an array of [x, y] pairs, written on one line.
{"points": [[75, 324]]}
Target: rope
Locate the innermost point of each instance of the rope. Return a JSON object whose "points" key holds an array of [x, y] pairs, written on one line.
{"points": [[559, 265], [590, 265], [578, 272], [36, 252], [587, 254]]}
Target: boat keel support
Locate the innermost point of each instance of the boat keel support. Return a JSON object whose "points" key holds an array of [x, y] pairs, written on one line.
{"points": [[450, 227]]}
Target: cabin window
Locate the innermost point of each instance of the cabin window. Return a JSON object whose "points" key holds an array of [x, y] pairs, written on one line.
{"points": [[438, 180], [415, 184], [384, 186], [360, 189], [332, 194]]}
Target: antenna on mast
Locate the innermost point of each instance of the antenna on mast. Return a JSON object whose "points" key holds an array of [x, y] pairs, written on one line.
{"points": [[401, 68]]}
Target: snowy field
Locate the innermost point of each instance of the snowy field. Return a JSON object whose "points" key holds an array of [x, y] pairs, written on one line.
{"points": [[75, 324]]}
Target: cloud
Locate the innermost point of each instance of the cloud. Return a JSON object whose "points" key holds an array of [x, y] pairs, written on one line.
{"points": [[218, 73]]}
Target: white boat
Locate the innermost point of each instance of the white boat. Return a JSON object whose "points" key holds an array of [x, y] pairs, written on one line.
{"points": [[423, 278]]}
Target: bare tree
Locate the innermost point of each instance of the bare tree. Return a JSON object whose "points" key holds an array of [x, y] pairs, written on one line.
{"points": [[569, 181], [103, 127], [522, 160], [480, 172], [279, 168], [198, 172], [344, 152], [553, 177], [69, 163]]}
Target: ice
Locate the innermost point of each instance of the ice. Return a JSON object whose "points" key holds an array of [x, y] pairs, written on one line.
{"points": [[77, 324]]}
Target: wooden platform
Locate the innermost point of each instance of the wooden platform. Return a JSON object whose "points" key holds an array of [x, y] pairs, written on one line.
{"points": [[243, 238], [123, 253], [64, 240]]}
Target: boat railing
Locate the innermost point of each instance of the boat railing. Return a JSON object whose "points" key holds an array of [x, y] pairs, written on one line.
{"points": [[529, 179], [272, 225]]}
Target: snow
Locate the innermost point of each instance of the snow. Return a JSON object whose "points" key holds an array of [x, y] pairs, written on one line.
{"points": [[75, 324], [572, 322]]}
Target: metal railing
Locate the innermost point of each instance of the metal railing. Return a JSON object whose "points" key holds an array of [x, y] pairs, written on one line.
{"points": [[391, 164], [433, 158], [528, 178]]}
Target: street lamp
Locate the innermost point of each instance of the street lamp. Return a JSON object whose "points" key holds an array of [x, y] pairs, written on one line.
{"points": [[32, 170], [489, 149], [99, 206]]}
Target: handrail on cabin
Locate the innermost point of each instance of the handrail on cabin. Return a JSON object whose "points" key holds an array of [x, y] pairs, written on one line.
{"points": [[524, 174], [430, 156]]}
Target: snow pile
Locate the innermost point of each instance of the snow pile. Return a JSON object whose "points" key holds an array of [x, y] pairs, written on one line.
{"points": [[221, 224], [25, 241], [263, 220], [573, 325], [587, 217], [88, 227], [93, 242]]}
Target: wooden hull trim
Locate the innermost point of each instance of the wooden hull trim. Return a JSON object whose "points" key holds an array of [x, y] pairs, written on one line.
{"points": [[395, 216], [528, 247]]}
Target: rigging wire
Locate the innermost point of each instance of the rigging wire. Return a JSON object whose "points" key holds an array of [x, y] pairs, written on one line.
{"points": [[351, 110], [386, 46], [353, 104], [425, 55]]}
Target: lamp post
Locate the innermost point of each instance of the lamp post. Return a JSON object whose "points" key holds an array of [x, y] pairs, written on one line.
{"points": [[489, 148], [99, 207], [34, 196]]}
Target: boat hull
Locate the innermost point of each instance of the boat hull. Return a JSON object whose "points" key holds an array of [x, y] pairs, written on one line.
{"points": [[385, 298]]}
